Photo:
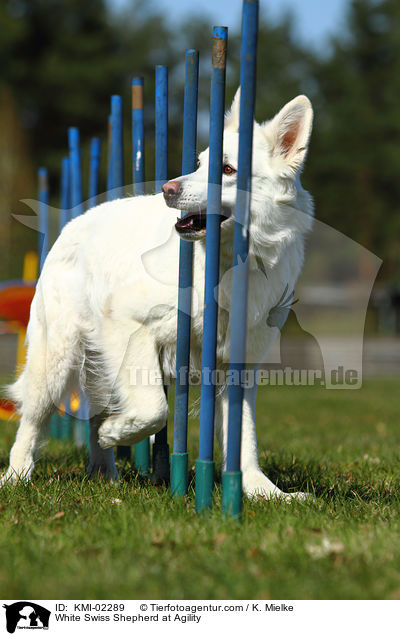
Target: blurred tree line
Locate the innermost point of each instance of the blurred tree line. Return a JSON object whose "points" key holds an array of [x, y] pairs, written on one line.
{"points": [[60, 60]]}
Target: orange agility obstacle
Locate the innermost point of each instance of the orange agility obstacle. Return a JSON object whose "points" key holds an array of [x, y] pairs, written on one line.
{"points": [[15, 301]]}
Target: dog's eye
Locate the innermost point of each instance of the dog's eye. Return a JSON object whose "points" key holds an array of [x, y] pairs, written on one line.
{"points": [[227, 169]]}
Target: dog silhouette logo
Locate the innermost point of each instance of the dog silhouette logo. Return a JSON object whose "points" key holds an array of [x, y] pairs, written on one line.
{"points": [[26, 615]]}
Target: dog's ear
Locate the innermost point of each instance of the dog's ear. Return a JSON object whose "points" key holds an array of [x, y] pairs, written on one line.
{"points": [[289, 132], [232, 115]]}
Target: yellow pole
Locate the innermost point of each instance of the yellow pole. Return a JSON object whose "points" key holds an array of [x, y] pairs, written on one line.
{"points": [[30, 271]]}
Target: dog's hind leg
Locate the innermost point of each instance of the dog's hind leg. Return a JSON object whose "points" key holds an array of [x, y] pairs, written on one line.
{"points": [[50, 358]]}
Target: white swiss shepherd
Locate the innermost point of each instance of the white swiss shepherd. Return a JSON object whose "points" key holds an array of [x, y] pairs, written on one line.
{"points": [[106, 300]]}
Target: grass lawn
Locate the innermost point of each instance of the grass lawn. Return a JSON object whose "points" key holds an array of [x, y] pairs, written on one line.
{"points": [[65, 537]]}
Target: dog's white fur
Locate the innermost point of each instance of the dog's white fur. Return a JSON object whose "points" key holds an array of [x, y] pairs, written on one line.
{"points": [[106, 300]]}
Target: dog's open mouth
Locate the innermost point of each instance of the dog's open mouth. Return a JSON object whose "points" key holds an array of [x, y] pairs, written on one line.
{"points": [[194, 223]]}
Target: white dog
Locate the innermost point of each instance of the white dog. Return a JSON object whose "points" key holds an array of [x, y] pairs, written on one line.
{"points": [[106, 301]]}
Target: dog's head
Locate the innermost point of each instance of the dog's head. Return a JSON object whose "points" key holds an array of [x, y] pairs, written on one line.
{"points": [[279, 150]]}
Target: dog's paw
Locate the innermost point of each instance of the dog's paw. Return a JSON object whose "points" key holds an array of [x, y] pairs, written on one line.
{"points": [[102, 470], [12, 477], [294, 496], [126, 431], [111, 433], [256, 484], [117, 431], [298, 496]]}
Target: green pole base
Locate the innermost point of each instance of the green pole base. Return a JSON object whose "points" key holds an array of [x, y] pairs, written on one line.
{"points": [[60, 427], [232, 494], [179, 474], [204, 484], [160, 463], [142, 457], [54, 426], [65, 427], [124, 452]]}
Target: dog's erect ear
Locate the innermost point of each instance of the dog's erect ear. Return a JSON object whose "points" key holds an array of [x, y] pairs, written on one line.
{"points": [[289, 131], [232, 115]]}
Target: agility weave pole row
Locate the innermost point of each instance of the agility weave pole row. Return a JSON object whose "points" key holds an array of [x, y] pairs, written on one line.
{"points": [[72, 195], [71, 205], [232, 477]]}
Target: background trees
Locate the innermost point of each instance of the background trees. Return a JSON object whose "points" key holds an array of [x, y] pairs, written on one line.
{"points": [[60, 60]]}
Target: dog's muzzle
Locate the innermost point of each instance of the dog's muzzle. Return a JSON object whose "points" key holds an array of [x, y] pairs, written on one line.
{"points": [[192, 226], [195, 223]]}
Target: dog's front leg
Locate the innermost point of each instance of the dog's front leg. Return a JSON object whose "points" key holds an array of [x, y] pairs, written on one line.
{"points": [[132, 357], [254, 481]]}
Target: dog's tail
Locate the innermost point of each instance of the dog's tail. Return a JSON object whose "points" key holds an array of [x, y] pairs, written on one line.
{"points": [[14, 391]]}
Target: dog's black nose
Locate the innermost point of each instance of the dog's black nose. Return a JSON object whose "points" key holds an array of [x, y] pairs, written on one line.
{"points": [[171, 189]]}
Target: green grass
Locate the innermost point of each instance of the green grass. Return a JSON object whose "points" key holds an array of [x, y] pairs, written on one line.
{"points": [[63, 536]]}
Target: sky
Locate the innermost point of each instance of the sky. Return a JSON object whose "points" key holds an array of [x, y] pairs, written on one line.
{"points": [[315, 20]]}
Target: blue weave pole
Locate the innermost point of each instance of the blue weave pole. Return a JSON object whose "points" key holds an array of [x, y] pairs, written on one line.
{"points": [[60, 425], [160, 447], [109, 175], [142, 449], [205, 463], [94, 170], [117, 148], [75, 172], [43, 196], [115, 181], [138, 135], [161, 111], [179, 457], [81, 428], [232, 478], [64, 193]]}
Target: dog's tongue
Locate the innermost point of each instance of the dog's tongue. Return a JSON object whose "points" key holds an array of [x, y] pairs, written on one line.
{"points": [[197, 222], [191, 222]]}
